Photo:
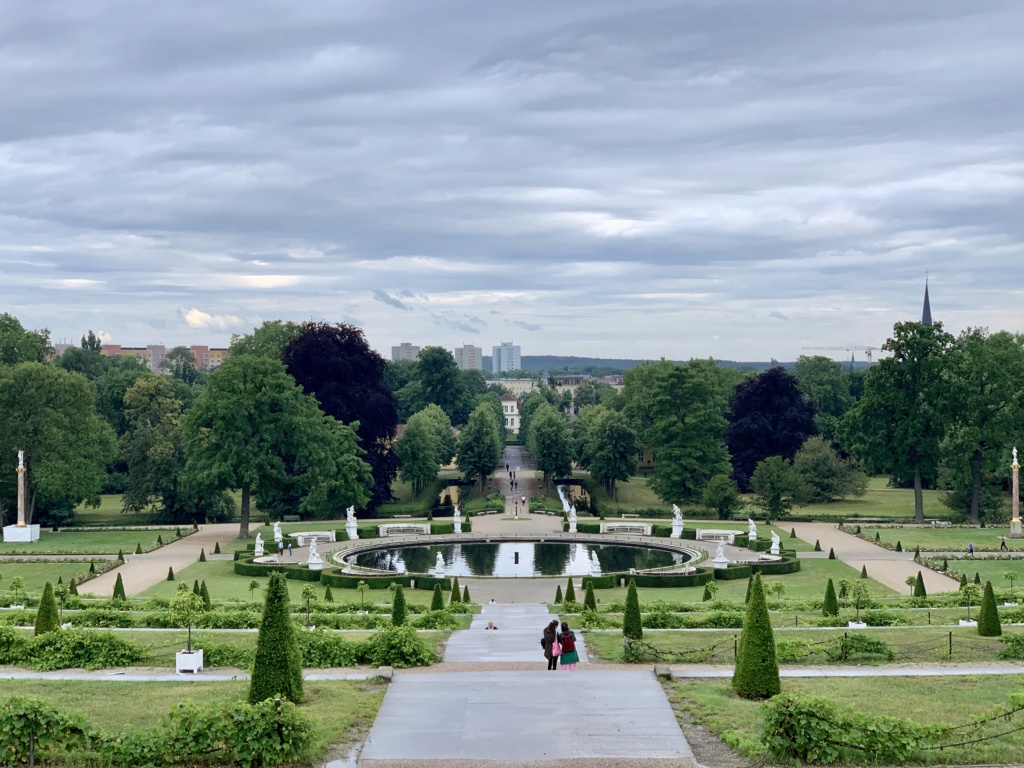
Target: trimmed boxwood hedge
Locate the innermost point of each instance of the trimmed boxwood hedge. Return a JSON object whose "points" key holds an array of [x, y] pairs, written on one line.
{"points": [[337, 579], [246, 567], [698, 579], [776, 568], [608, 581], [733, 572]]}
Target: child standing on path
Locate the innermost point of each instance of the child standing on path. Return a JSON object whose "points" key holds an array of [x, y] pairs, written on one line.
{"points": [[569, 655], [548, 644]]}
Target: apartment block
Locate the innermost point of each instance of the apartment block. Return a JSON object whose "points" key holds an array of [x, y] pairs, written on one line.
{"points": [[405, 352], [469, 358]]}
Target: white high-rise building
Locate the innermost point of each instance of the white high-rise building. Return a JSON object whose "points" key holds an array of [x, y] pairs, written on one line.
{"points": [[469, 358], [506, 358], [404, 352]]}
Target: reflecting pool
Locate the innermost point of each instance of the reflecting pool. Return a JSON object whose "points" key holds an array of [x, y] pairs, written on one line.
{"points": [[518, 558]]}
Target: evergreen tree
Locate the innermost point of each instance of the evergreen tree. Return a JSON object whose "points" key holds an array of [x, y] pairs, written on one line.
{"points": [[917, 552], [977, 578], [558, 595], [831, 553], [988, 617], [277, 669], [945, 565], [831, 605], [159, 540], [399, 611], [919, 590], [632, 627], [864, 571], [465, 594], [138, 548], [120, 555], [792, 533], [119, 589], [963, 580], [750, 584], [205, 594], [456, 595], [195, 588], [216, 548], [47, 617], [170, 573], [757, 669], [589, 601], [92, 568], [570, 592], [202, 555], [437, 604], [707, 594], [899, 546], [73, 586], [817, 545], [328, 595]]}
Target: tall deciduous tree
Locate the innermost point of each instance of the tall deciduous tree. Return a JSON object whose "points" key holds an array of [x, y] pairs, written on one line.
{"points": [[828, 386], [899, 423], [768, 416], [18, 345], [181, 364], [480, 445], [335, 364], [549, 443], [252, 426], [269, 340], [775, 482], [824, 475], [111, 388], [51, 415], [442, 383], [426, 444], [612, 457]]}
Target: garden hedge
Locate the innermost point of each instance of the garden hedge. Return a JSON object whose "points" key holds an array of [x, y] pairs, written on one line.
{"points": [[776, 568], [733, 572]]}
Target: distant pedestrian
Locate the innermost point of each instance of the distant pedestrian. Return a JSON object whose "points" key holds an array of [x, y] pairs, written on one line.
{"points": [[289, 549], [549, 642], [1002, 544], [569, 656], [280, 548], [970, 548], [506, 467]]}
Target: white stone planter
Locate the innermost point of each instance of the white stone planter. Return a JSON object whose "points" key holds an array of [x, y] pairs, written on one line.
{"points": [[966, 623], [184, 661], [1010, 605], [856, 625]]}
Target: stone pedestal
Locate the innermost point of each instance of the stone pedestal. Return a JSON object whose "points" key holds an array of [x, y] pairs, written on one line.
{"points": [[774, 549], [572, 526], [352, 532], [21, 533], [458, 526], [1015, 527], [856, 625], [317, 565], [677, 529], [720, 562]]}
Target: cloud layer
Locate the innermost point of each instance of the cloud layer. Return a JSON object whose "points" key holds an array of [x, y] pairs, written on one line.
{"points": [[650, 179]]}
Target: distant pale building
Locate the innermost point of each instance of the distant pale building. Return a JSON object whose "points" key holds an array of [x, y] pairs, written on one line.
{"points": [[405, 352], [510, 407], [469, 358], [518, 387], [506, 358]]}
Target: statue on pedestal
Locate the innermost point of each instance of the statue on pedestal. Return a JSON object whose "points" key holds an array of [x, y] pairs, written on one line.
{"points": [[720, 552], [572, 514], [439, 563], [278, 536], [677, 514], [314, 556], [751, 530], [457, 516], [259, 546], [350, 516], [776, 543]]}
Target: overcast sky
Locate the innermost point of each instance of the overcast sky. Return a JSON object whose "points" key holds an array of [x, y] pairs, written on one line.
{"points": [[641, 179]]}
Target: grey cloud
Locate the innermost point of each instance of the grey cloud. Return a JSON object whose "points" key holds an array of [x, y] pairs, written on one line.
{"points": [[391, 301], [778, 315], [527, 326]]}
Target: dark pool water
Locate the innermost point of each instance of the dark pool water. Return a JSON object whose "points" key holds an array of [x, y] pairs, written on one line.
{"points": [[511, 559]]}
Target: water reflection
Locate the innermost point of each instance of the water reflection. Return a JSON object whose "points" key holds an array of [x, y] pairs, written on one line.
{"points": [[520, 558]]}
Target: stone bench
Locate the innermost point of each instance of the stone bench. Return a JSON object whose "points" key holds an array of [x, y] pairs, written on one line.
{"points": [[265, 560], [399, 517], [706, 534], [625, 515], [937, 523], [391, 529], [641, 528], [291, 518], [303, 537]]}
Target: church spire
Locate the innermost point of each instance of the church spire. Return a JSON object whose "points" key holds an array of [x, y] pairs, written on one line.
{"points": [[926, 313]]}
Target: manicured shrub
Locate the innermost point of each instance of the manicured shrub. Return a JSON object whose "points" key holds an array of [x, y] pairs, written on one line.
{"points": [[707, 594], [817, 545], [878, 537], [399, 611], [792, 533], [170, 573], [73, 585], [216, 548], [919, 590], [899, 546], [963, 580], [92, 568], [831, 554], [988, 617], [159, 540], [120, 555], [589, 601], [138, 549], [277, 668], [757, 669], [750, 584], [917, 552], [465, 594], [202, 555], [570, 592], [328, 595], [456, 595], [864, 571], [119, 589], [858, 530], [195, 588], [437, 603], [831, 604], [945, 565], [632, 627], [205, 594], [558, 595], [977, 578], [47, 617]]}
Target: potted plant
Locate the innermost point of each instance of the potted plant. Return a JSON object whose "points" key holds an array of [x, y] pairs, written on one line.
{"points": [[186, 607]]}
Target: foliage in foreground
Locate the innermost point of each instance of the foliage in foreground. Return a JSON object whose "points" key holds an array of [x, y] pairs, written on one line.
{"points": [[757, 669], [277, 670]]}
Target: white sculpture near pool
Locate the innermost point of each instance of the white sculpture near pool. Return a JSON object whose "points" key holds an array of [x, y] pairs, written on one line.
{"points": [[259, 546]]}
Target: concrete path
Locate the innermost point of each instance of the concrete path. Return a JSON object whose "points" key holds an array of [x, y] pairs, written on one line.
{"points": [[140, 572], [517, 637], [884, 565], [539, 719]]}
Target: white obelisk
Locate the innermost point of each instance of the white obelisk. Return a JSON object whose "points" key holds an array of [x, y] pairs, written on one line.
{"points": [[1015, 528], [21, 531]]}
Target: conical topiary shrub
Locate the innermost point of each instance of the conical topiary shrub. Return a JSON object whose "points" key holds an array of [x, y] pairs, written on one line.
{"points": [[216, 548], [119, 589], [399, 611], [159, 540], [963, 580], [750, 584], [456, 592], [864, 571], [945, 565], [831, 554], [917, 552], [138, 549], [988, 617], [817, 545], [277, 668], [120, 555], [831, 604], [202, 555], [195, 588], [977, 578], [878, 537], [328, 595], [558, 595], [205, 594], [899, 546], [437, 603], [73, 586], [465, 594], [632, 627], [570, 592], [792, 533], [92, 568], [589, 601], [707, 594], [47, 616], [170, 573], [919, 590], [757, 668], [858, 530]]}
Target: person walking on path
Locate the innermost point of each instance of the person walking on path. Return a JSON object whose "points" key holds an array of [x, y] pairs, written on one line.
{"points": [[548, 644], [1002, 544], [569, 656], [970, 549]]}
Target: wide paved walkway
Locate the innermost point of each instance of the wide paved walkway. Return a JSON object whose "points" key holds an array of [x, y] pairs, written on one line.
{"points": [[517, 637]]}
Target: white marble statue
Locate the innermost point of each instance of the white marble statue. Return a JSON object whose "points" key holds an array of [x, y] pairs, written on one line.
{"points": [[21, 458], [776, 543], [720, 552], [677, 514], [572, 514], [314, 556], [278, 536], [1014, 456], [259, 545], [439, 563], [457, 516], [751, 530], [350, 516]]}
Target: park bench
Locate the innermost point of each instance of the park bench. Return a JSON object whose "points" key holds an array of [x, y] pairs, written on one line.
{"points": [[398, 517], [704, 534], [291, 518], [642, 528], [625, 515], [392, 529], [937, 523]]}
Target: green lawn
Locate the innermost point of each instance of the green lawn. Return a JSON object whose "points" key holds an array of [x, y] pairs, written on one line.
{"points": [[991, 570], [879, 501], [953, 700], [36, 575], [932, 539], [72, 542], [342, 710], [224, 584]]}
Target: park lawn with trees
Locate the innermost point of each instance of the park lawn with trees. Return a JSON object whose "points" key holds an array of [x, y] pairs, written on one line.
{"points": [[994, 571], [943, 539], [81, 542], [879, 500], [35, 575], [953, 700], [342, 711]]}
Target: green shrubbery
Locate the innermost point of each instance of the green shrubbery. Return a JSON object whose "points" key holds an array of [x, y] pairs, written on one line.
{"points": [[277, 670], [67, 649], [47, 617], [988, 616], [632, 626], [757, 671], [831, 604]]}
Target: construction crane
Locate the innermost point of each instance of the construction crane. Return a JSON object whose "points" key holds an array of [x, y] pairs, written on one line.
{"points": [[852, 348]]}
